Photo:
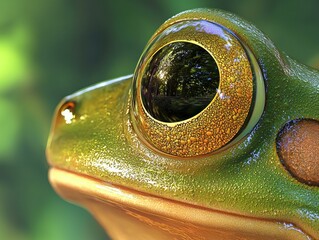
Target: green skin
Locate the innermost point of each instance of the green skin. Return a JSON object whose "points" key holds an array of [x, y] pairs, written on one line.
{"points": [[247, 178]]}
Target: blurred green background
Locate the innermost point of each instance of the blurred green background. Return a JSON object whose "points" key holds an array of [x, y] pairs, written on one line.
{"points": [[49, 49]]}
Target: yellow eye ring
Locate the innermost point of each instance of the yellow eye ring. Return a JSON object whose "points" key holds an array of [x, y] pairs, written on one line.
{"points": [[224, 117]]}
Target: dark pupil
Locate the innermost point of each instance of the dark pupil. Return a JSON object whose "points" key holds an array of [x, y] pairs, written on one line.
{"points": [[179, 82]]}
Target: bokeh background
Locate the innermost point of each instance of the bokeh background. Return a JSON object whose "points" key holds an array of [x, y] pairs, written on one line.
{"points": [[49, 49]]}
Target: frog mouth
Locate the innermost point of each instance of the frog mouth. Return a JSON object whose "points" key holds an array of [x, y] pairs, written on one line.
{"points": [[124, 213]]}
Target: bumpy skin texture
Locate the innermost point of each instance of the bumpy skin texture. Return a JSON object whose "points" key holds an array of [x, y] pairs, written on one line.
{"points": [[247, 178]]}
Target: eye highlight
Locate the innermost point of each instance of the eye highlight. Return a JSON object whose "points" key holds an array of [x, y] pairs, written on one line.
{"points": [[193, 90]]}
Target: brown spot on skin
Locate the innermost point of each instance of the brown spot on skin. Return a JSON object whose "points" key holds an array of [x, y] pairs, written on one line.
{"points": [[298, 149]]}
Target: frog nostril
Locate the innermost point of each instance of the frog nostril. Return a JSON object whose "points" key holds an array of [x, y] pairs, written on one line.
{"points": [[298, 149], [67, 112]]}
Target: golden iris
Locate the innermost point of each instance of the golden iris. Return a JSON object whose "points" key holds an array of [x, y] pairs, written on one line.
{"points": [[193, 89]]}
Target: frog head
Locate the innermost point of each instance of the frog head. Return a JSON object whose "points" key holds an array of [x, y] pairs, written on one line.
{"points": [[215, 136]]}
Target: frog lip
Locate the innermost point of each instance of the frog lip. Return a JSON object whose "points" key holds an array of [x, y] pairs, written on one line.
{"points": [[83, 189]]}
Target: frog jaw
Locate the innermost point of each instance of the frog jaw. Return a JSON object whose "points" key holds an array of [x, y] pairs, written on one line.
{"points": [[124, 212], [84, 147]]}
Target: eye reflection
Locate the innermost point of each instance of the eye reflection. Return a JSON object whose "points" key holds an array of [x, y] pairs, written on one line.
{"points": [[179, 82]]}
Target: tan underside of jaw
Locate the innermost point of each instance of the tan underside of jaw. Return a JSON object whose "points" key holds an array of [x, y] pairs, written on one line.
{"points": [[129, 214]]}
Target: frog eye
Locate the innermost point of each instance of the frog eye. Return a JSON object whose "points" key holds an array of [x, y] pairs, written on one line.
{"points": [[196, 89]]}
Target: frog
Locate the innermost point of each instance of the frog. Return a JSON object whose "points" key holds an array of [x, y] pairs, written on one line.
{"points": [[214, 136]]}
